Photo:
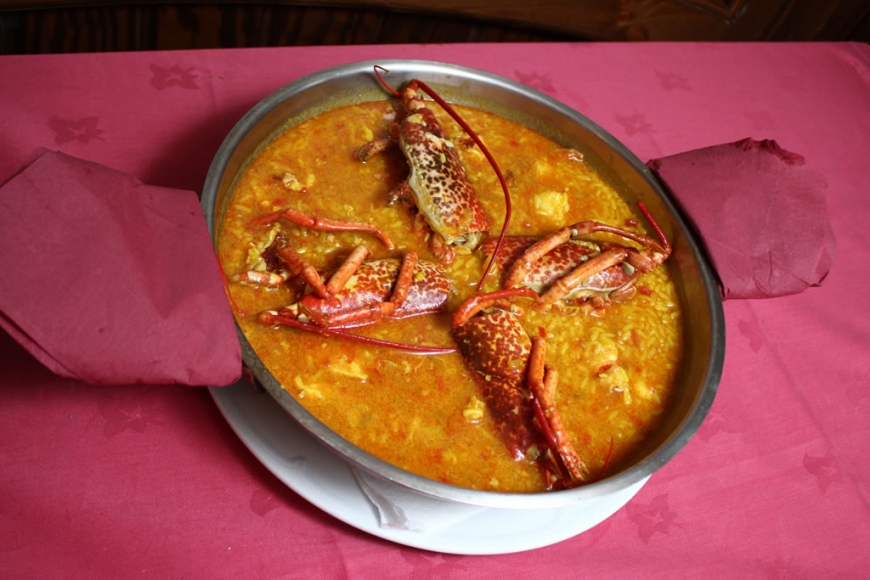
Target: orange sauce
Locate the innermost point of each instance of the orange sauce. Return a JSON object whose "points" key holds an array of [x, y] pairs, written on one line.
{"points": [[421, 413]]}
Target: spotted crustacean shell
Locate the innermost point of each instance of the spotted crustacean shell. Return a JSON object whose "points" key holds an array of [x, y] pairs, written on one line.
{"points": [[496, 348], [438, 181], [372, 283], [559, 262]]}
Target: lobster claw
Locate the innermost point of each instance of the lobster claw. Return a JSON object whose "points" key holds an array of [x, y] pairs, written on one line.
{"points": [[496, 350], [380, 289], [360, 292], [438, 185], [564, 266], [519, 390]]}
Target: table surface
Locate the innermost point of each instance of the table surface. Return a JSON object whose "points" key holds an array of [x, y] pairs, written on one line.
{"points": [[152, 481]]}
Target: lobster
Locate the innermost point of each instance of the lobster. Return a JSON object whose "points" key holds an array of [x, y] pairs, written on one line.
{"points": [[437, 186], [298, 265], [565, 267], [359, 292], [516, 384]]}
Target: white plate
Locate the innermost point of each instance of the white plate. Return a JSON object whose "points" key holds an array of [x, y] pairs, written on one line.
{"points": [[326, 480]]}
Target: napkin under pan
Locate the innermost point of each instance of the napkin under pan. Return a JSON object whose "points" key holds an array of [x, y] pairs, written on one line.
{"points": [[760, 211]]}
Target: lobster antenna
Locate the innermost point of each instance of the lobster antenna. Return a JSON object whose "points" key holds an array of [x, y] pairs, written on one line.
{"points": [[378, 69], [655, 226], [413, 348]]}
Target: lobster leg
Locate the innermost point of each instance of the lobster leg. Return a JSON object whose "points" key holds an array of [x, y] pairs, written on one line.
{"points": [[298, 265], [271, 279], [535, 252], [370, 313], [563, 286], [372, 148], [539, 249], [479, 302], [542, 381], [365, 292], [347, 269], [324, 224], [308, 272]]}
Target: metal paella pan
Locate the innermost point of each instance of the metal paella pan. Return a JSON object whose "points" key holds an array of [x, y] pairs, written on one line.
{"points": [[696, 284]]}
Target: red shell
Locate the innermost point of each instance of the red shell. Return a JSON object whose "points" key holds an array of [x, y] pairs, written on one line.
{"points": [[496, 349], [372, 283], [557, 263], [442, 191]]}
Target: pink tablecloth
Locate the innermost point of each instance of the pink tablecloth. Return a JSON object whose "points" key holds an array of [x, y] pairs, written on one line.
{"points": [[152, 482]]}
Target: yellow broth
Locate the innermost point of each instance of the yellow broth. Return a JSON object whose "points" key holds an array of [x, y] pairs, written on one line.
{"points": [[421, 413]]}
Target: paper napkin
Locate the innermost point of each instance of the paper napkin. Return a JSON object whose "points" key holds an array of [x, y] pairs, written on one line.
{"points": [[760, 211], [404, 509], [112, 281]]}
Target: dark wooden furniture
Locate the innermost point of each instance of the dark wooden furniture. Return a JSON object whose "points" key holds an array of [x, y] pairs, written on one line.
{"points": [[53, 26]]}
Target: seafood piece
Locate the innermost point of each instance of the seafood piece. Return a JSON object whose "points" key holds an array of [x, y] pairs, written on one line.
{"points": [[519, 390], [362, 292], [276, 249], [323, 224], [563, 266], [438, 186]]}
